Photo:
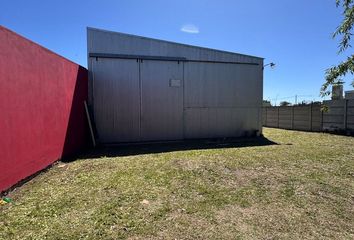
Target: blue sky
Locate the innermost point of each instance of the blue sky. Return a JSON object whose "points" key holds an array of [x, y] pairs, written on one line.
{"points": [[296, 35]]}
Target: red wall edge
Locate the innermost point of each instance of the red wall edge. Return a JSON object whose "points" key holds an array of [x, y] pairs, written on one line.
{"points": [[42, 114]]}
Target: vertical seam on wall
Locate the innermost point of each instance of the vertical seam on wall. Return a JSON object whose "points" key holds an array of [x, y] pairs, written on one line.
{"points": [[183, 107], [92, 88], [140, 98], [262, 86]]}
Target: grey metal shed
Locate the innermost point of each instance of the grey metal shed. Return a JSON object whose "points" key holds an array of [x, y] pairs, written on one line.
{"points": [[143, 89]]}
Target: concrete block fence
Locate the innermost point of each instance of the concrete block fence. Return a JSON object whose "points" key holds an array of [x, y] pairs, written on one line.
{"points": [[338, 117]]}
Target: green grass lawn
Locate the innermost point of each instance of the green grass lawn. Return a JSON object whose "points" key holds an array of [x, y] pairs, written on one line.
{"points": [[302, 187]]}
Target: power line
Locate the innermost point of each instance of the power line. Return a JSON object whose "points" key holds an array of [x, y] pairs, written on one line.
{"points": [[295, 97], [282, 98]]}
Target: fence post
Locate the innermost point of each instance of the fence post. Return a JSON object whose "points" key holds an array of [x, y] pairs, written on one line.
{"points": [[310, 106], [278, 116], [321, 119], [292, 117], [345, 114]]}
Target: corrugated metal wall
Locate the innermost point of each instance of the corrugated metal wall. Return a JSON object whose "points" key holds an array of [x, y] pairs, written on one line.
{"points": [[161, 101], [107, 42], [117, 99], [209, 94], [221, 100]]}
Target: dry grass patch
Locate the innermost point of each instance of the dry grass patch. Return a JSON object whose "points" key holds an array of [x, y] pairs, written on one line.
{"points": [[300, 188]]}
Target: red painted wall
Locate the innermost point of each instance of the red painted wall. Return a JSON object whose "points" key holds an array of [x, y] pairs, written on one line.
{"points": [[42, 115]]}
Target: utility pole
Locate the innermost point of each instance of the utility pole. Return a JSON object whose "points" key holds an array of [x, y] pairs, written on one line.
{"points": [[295, 99], [276, 99]]}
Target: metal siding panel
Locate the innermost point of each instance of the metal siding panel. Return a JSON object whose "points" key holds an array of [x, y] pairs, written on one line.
{"points": [[118, 43], [260, 93], [215, 92], [219, 122], [116, 100], [161, 104], [90, 70], [192, 123], [224, 122], [229, 94], [222, 85]]}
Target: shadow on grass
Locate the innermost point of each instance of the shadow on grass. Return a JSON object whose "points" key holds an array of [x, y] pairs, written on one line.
{"points": [[163, 147], [155, 147]]}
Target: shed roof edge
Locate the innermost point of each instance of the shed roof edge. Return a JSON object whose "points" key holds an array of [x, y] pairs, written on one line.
{"points": [[171, 42]]}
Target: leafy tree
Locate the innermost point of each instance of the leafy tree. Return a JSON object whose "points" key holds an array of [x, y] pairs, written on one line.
{"points": [[285, 103], [345, 31]]}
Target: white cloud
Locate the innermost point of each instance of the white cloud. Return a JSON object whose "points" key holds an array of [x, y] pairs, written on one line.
{"points": [[190, 28]]}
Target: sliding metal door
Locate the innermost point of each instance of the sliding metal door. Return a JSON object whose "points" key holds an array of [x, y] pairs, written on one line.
{"points": [[116, 98], [161, 100]]}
